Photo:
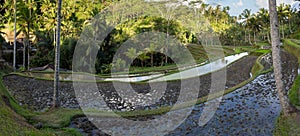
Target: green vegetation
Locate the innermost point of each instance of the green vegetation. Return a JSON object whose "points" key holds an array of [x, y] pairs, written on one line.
{"points": [[248, 32], [287, 126], [290, 125], [258, 68], [14, 118], [294, 92], [293, 46], [57, 118], [37, 19]]}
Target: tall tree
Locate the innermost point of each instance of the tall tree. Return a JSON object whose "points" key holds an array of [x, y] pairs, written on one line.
{"points": [[47, 19], [151, 50], [56, 100], [246, 15], [264, 22], [280, 87], [15, 34], [26, 18], [131, 54]]}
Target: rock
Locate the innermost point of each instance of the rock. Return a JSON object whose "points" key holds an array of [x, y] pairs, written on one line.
{"points": [[39, 125]]}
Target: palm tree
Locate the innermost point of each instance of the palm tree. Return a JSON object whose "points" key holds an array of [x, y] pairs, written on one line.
{"points": [[47, 19], [143, 57], [280, 87], [56, 101], [283, 16], [254, 25], [246, 15], [31, 6], [15, 34], [217, 12], [203, 8], [264, 20], [289, 12], [26, 19], [131, 53], [151, 50], [225, 15]]}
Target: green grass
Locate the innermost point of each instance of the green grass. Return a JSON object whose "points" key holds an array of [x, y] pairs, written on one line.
{"points": [[296, 35], [287, 126], [290, 125], [239, 49], [262, 51], [10, 122], [57, 118], [14, 119], [263, 43], [258, 68], [294, 92], [297, 41], [292, 47], [160, 69]]}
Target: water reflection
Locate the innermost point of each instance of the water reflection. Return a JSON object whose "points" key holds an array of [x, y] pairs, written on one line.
{"points": [[204, 69], [133, 79], [186, 72]]}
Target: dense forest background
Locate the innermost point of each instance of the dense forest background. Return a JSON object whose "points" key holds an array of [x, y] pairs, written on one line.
{"points": [[36, 22]]}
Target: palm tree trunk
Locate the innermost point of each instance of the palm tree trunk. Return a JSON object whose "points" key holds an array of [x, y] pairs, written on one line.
{"points": [[151, 59], [15, 35], [282, 29], [268, 36], [142, 64], [24, 52], [254, 37], [290, 29], [54, 36], [28, 45], [166, 59], [245, 35], [28, 56], [280, 87], [56, 100], [249, 38]]}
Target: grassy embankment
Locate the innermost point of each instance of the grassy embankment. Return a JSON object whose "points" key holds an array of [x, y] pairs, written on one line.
{"points": [[290, 126], [14, 119]]}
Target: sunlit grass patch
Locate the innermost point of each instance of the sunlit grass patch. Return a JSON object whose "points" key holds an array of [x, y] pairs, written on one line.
{"points": [[292, 47], [11, 123]]}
